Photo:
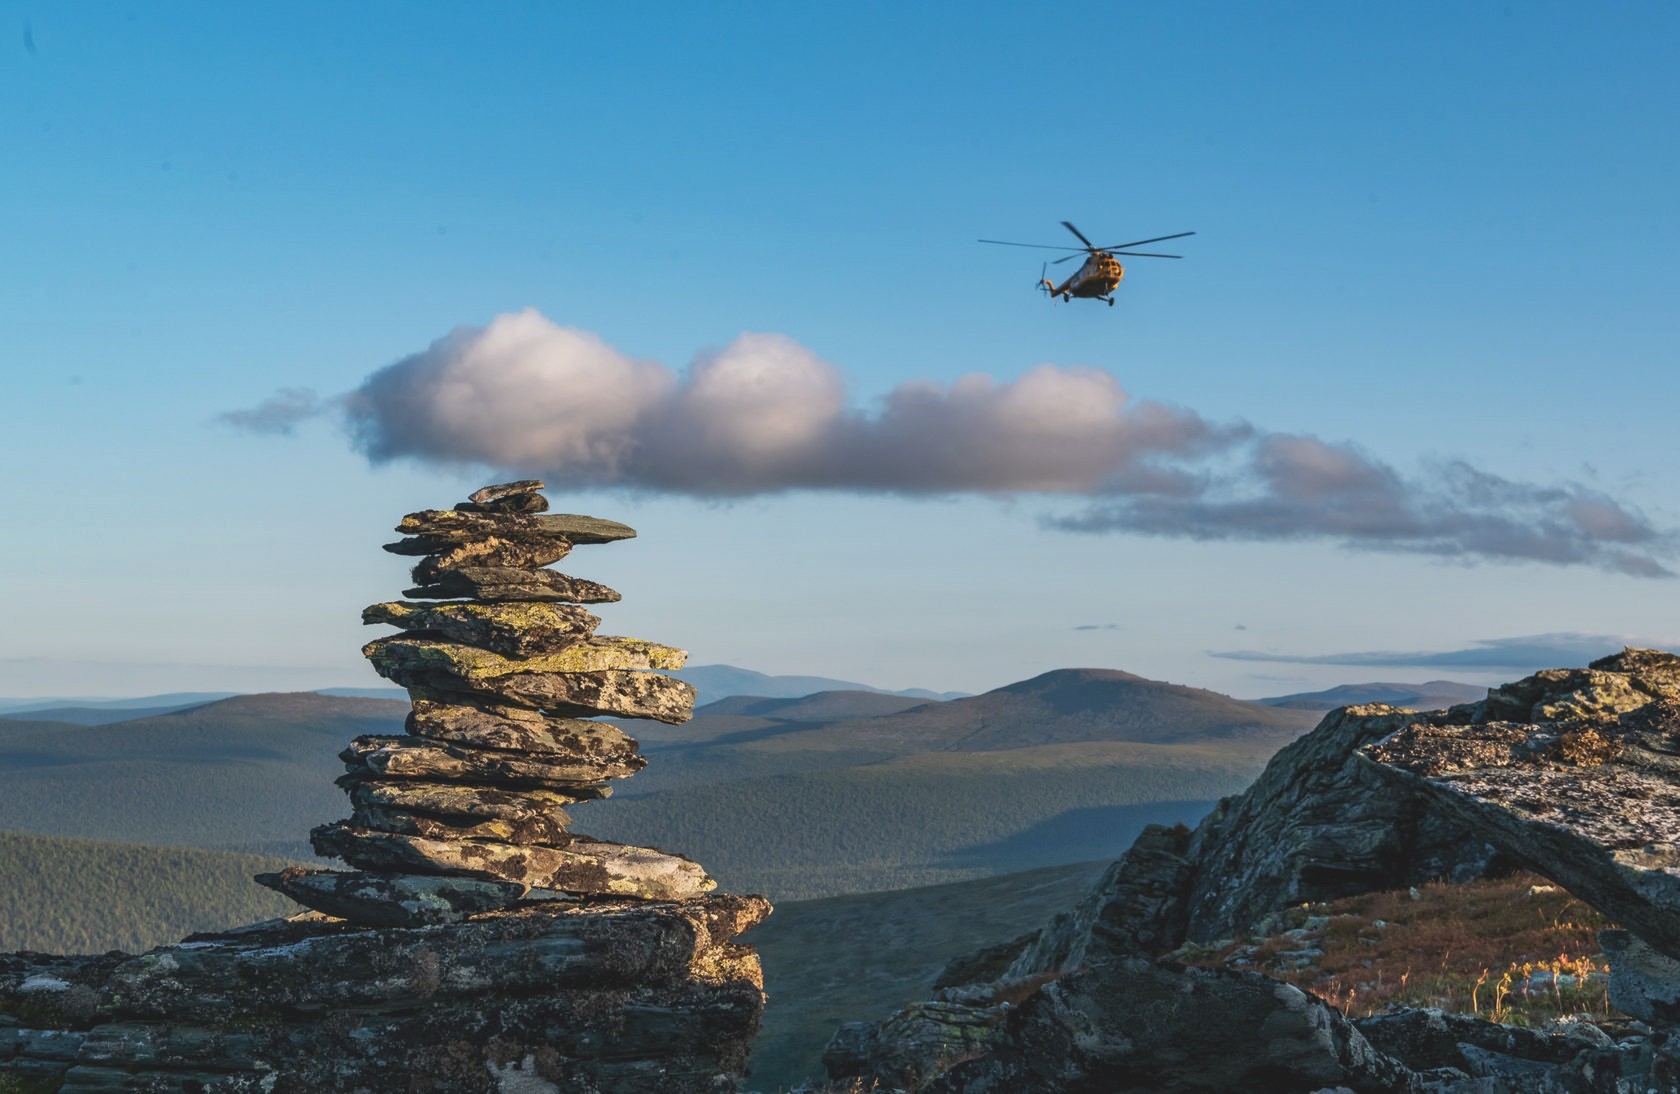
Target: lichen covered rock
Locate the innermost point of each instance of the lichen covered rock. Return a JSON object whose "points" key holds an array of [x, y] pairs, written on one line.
{"points": [[631, 996]]}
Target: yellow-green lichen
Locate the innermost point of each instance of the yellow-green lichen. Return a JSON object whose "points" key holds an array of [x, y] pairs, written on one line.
{"points": [[512, 615], [590, 655], [1599, 696]]}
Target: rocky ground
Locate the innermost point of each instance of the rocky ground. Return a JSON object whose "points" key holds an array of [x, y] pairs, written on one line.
{"points": [[1170, 975]]}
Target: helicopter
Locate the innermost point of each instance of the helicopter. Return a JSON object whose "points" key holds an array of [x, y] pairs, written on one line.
{"points": [[1101, 272]]}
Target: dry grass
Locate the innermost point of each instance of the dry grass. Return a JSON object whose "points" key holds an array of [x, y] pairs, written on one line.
{"points": [[1516, 950]]}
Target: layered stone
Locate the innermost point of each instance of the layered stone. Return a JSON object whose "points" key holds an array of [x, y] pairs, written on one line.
{"points": [[507, 497], [584, 866], [629, 997], [499, 583], [551, 829], [392, 900], [476, 722], [472, 804], [523, 554], [451, 526], [626, 694], [402, 651], [418, 758], [512, 629]]}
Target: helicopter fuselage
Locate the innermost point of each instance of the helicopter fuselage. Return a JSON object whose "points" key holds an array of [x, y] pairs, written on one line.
{"points": [[1097, 278]]}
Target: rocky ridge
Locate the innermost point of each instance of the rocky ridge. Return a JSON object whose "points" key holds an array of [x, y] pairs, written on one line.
{"points": [[1570, 773], [478, 943]]}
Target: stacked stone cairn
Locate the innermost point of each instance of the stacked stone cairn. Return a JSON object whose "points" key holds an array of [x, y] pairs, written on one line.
{"points": [[466, 812], [479, 946]]}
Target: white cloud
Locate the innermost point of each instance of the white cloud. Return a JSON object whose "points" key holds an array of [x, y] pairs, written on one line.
{"points": [[764, 414]]}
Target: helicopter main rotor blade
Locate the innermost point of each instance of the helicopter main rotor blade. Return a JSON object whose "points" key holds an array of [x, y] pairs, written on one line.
{"points": [[1041, 246], [1059, 261], [1081, 236], [1143, 254], [1141, 242]]}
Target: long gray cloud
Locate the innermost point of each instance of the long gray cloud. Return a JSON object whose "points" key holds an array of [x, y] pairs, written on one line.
{"points": [[1527, 653], [1296, 487], [280, 413], [764, 414]]}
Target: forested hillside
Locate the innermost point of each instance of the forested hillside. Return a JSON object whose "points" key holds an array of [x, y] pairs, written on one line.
{"points": [[88, 896]]}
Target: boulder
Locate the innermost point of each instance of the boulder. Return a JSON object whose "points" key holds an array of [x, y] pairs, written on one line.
{"points": [[1131, 1026]]}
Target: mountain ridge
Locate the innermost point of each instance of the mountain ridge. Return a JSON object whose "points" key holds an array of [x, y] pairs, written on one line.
{"points": [[1429, 695]]}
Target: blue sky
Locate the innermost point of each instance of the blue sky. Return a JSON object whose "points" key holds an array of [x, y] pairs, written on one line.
{"points": [[1435, 233]]}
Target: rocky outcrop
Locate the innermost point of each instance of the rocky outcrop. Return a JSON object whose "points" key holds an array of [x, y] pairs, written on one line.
{"points": [[1583, 788], [1136, 1025], [1572, 773], [1316, 825], [479, 943], [540, 997]]}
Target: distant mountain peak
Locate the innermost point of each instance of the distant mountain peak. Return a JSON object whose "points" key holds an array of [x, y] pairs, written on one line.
{"points": [[1081, 676]]}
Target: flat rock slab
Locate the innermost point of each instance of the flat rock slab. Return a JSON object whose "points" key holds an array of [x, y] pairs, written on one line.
{"points": [[457, 526], [550, 829], [392, 900], [1595, 807], [477, 723], [418, 758], [401, 651], [467, 802], [586, 867], [507, 497], [522, 554], [624, 693], [510, 628], [315, 967], [499, 583]]}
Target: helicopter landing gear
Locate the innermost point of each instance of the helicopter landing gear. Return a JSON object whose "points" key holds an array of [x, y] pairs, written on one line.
{"points": [[1110, 301]]}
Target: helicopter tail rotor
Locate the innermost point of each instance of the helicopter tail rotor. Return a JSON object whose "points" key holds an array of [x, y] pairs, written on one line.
{"points": [[1044, 285]]}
